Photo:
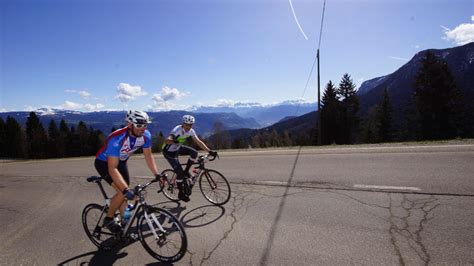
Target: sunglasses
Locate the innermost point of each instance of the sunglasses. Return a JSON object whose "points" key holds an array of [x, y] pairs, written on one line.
{"points": [[140, 125]]}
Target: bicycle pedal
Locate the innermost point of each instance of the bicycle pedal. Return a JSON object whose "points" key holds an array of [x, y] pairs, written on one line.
{"points": [[133, 236]]}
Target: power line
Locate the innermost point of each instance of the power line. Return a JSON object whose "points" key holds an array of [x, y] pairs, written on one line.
{"points": [[315, 58], [322, 21]]}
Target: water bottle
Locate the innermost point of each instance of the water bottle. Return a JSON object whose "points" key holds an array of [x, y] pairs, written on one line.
{"points": [[127, 214]]}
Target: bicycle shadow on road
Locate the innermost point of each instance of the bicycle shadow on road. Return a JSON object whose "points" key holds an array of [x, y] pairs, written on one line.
{"points": [[197, 217], [99, 257]]}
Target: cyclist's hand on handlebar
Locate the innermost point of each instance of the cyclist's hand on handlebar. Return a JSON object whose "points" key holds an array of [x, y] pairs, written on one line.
{"points": [[213, 153], [129, 194], [161, 177]]}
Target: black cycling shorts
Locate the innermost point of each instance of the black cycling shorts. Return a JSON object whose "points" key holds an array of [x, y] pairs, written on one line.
{"points": [[103, 170]]}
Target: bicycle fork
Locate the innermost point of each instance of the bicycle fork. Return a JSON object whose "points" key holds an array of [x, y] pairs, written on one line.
{"points": [[150, 224]]}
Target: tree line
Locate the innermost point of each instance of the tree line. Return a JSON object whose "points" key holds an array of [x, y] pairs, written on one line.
{"points": [[436, 111], [35, 142]]}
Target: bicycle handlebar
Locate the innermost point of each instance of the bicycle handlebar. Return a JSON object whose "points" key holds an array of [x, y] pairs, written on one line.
{"points": [[208, 157], [141, 187]]}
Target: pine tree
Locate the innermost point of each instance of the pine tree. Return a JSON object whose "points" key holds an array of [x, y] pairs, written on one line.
{"points": [[384, 118], [3, 136], [53, 140], [371, 127], [15, 146], [349, 109], [437, 99], [221, 137], [63, 141], [157, 143], [36, 137], [95, 141], [82, 139], [330, 109]]}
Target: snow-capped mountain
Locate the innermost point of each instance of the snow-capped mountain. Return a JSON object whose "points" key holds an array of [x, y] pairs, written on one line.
{"points": [[264, 114]]}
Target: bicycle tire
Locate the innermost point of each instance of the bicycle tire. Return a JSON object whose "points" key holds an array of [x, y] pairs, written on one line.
{"points": [[92, 216], [172, 244], [214, 187], [169, 187]]}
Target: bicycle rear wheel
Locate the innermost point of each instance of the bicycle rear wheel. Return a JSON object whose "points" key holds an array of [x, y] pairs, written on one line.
{"points": [[215, 187], [169, 187], [162, 236], [92, 217]]}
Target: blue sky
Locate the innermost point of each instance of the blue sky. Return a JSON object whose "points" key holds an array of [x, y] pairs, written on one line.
{"points": [[160, 55]]}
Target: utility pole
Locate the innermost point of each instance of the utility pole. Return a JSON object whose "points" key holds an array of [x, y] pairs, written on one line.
{"points": [[319, 105]]}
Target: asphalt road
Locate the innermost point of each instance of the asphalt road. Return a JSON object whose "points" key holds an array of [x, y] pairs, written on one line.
{"points": [[401, 204]]}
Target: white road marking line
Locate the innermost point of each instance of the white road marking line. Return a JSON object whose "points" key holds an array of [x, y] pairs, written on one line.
{"points": [[386, 187], [279, 183]]}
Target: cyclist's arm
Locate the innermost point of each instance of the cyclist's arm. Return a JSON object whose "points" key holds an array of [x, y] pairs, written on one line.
{"points": [[169, 139], [200, 143], [112, 163], [150, 161]]}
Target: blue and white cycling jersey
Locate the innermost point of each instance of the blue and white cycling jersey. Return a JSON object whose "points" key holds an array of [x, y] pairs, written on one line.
{"points": [[121, 144]]}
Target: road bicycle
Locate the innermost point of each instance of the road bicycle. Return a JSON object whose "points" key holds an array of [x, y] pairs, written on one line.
{"points": [[159, 231], [213, 185]]}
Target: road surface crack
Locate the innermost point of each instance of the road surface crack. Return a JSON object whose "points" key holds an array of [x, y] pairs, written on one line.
{"points": [[404, 232]]}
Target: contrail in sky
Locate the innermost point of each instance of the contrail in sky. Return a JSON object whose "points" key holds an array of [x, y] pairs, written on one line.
{"points": [[296, 19]]}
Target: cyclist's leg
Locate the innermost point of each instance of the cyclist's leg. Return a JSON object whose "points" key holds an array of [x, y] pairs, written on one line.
{"points": [[172, 158], [186, 150], [117, 201]]}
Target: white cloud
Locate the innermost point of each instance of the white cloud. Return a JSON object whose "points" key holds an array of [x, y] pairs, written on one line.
{"points": [[225, 103], [398, 58], [29, 108], [460, 35], [162, 106], [128, 92], [172, 94], [161, 100], [93, 107], [68, 105], [84, 94]]}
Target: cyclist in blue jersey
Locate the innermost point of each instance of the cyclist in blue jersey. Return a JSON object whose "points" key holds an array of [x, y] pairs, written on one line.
{"points": [[173, 147], [111, 161]]}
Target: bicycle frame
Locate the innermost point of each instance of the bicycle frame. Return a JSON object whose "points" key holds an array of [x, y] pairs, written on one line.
{"points": [[139, 204]]}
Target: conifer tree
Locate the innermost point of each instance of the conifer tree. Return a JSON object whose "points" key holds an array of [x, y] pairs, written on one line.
{"points": [[53, 140], [330, 113], [349, 109], [15, 146], [3, 136], [384, 118], [437, 100], [36, 137], [82, 140], [63, 141]]}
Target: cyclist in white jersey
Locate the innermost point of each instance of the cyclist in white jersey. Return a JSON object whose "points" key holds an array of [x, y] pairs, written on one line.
{"points": [[173, 147]]}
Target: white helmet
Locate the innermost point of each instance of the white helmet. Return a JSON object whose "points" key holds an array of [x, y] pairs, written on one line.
{"points": [[137, 117], [188, 119]]}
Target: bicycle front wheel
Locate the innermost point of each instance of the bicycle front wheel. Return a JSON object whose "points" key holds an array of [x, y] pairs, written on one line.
{"points": [[92, 216], [169, 187], [215, 187], [162, 235]]}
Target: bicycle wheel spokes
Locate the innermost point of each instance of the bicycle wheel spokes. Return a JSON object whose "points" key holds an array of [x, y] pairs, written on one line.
{"points": [[92, 216], [214, 187], [170, 189], [162, 235]]}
